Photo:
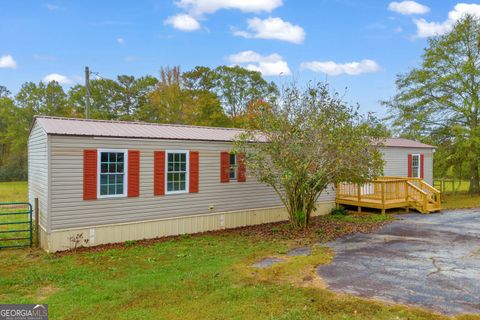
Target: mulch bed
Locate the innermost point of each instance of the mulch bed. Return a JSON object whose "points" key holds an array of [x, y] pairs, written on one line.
{"points": [[320, 229]]}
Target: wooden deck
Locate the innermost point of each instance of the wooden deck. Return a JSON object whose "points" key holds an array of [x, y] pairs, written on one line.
{"points": [[389, 193]]}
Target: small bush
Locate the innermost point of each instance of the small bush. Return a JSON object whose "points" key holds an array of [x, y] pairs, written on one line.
{"points": [[339, 211], [130, 243]]}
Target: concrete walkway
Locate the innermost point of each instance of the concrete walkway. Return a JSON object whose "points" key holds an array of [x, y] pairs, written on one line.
{"points": [[431, 261]]}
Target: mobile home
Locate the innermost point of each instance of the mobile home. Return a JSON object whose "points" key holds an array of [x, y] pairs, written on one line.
{"points": [[111, 181]]}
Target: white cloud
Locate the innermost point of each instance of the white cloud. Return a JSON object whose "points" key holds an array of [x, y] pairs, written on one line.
{"points": [[131, 58], [120, 40], [53, 7], [183, 22], [200, 7], [334, 69], [195, 10], [7, 61], [428, 29], [271, 65], [61, 79], [408, 7], [273, 28]]}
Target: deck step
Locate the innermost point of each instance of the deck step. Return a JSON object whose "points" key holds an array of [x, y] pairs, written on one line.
{"points": [[432, 207]]}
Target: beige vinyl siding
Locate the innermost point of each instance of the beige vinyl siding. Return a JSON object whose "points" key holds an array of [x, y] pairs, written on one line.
{"points": [[69, 210], [38, 172], [397, 161]]}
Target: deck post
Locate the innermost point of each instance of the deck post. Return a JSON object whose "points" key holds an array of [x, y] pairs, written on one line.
{"points": [[359, 197], [383, 197], [406, 190]]}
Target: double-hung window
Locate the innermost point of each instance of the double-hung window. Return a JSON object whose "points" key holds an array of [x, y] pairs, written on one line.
{"points": [[233, 167], [177, 171], [112, 173], [416, 165]]}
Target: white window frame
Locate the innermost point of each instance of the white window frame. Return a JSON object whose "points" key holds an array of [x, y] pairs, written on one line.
{"points": [[125, 173], [187, 173], [235, 167], [418, 168]]}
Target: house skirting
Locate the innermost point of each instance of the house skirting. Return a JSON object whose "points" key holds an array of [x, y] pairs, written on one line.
{"points": [[60, 240]]}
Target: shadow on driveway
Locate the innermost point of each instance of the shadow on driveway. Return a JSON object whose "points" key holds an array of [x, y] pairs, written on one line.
{"points": [[431, 261]]}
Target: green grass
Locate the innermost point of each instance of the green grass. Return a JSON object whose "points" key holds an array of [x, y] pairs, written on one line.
{"points": [[366, 217], [461, 200], [207, 277], [455, 186], [457, 197], [13, 191], [189, 277]]}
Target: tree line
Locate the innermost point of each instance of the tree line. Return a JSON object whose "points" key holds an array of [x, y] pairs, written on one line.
{"points": [[223, 96], [439, 101]]}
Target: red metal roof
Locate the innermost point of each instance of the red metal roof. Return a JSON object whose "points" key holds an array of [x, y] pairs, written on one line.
{"points": [[124, 129]]}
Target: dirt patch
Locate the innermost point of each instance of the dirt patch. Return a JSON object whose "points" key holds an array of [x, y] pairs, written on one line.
{"points": [[321, 229], [45, 292], [312, 281]]}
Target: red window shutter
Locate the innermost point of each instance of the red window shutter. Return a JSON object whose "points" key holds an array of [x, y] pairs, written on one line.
{"points": [[224, 167], [159, 173], [242, 174], [133, 173], [90, 174], [409, 165], [194, 172], [422, 159]]}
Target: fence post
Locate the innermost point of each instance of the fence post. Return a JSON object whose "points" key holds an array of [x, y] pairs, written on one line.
{"points": [[37, 224]]}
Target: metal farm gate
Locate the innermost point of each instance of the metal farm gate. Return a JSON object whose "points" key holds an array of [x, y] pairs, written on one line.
{"points": [[16, 227]]}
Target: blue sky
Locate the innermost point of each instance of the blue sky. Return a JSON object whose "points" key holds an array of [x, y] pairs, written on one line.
{"points": [[287, 40]]}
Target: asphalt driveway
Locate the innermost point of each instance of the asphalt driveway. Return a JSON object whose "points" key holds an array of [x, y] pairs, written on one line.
{"points": [[431, 261]]}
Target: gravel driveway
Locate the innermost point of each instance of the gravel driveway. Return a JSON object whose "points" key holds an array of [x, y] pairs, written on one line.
{"points": [[431, 261]]}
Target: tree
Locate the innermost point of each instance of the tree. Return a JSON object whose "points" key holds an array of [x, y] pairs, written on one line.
{"points": [[14, 124], [133, 93], [440, 98], [237, 87], [16, 117], [171, 102], [4, 92], [113, 99], [200, 78], [308, 140], [43, 98]]}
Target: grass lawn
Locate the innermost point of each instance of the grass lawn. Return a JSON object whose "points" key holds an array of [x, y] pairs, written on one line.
{"points": [[202, 277], [457, 185], [196, 277], [13, 191], [460, 200]]}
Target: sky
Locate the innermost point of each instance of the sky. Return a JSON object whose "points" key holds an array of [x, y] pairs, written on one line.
{"points": [[357, 46]]}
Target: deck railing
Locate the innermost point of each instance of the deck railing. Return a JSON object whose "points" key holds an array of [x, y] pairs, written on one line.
{"points": [[388, 192]]}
